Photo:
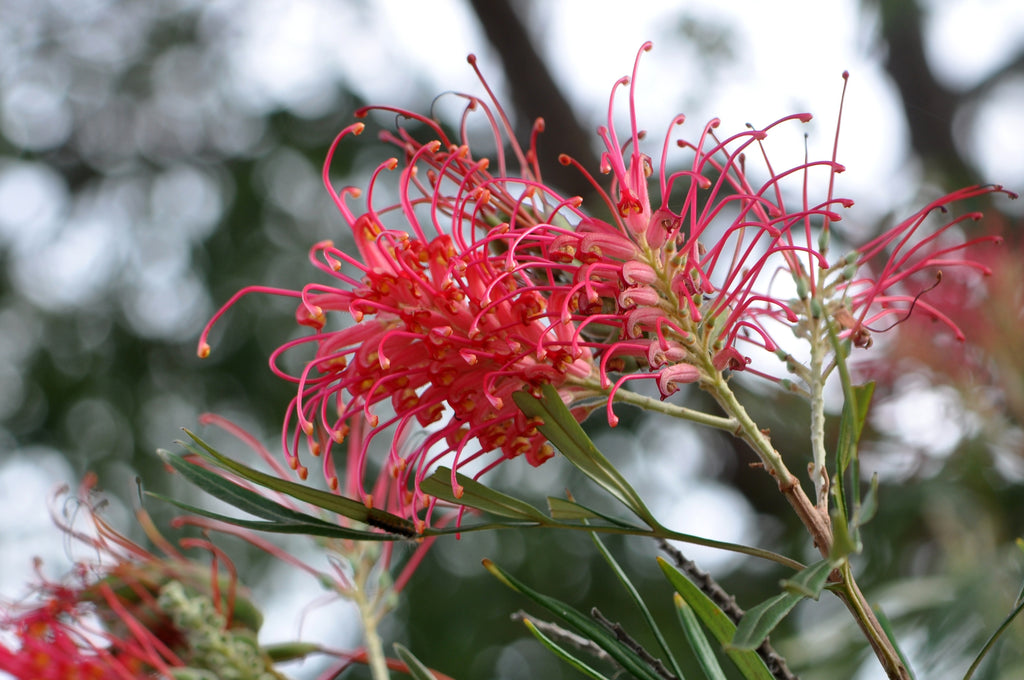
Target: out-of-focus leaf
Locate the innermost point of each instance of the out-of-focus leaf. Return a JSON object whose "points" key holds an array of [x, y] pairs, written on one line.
{"points": [[563, 653], [990, 643], [290, 651], [562, 430], [417, 669], [479, 497], [717, 622], [698, 641], [761, 620], [624, 656]]}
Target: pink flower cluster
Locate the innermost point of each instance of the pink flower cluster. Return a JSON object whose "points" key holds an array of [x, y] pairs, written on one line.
{"points": [[480, 280], [107, 621]]}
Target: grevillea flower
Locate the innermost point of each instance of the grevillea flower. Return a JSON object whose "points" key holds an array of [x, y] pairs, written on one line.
{"points": [[688, 284], [447, 324], [122, 617], [481, 280]]}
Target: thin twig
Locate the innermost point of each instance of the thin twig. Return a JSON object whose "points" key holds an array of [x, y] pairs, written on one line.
{"points": [[559, 634], [625, 638]]}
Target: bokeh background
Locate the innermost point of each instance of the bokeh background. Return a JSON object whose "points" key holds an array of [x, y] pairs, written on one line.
{"points": [[157, 156]]}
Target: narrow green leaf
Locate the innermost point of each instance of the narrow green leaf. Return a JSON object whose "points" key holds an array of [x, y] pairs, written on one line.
{"points": [[301, 528], [564, 654], [761, 620], [290, 651], [240, 497], [994, 638], [844, 542], [698, 641], [562, 430], [564, 509], [478, 496], [887, 629], [624, 656], [417, 669], [855, 407], [561, 508], [865, 512], [717, 622], [811, 581], [347, 507], [851, 424], [634, 594]]}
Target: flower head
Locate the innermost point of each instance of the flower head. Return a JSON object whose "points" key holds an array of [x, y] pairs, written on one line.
{"points": [[691, 280], [447, 324], [126, 615], [480, 280]]}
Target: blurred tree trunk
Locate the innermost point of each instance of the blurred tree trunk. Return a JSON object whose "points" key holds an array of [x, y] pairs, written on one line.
{"points": [[535, 94]]}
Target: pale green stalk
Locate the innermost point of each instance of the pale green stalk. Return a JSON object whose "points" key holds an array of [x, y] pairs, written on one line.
{"points": [[816, 384], [650, 404], [369, 614]]}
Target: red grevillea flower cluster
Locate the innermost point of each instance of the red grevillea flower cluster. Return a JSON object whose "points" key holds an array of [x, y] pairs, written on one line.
{"points": [[447, 324], [683, 286], [108, 620], [480, 280]]}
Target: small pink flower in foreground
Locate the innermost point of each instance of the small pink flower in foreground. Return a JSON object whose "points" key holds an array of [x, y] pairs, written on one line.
{"points": [[112, 620], [492, 282]]}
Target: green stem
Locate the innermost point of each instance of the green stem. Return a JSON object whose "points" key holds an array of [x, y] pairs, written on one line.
{"points": [[817, 523], [855, 601], [368, 614], [816, 383], [650, 404]]}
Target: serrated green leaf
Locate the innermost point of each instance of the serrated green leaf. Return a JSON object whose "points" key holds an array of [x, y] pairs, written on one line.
{"points": [[761, 620], [563, 653], [624, 656], [698, 641], [417, 669], [562, 430], [478, 496], [717, 622], [342, 505]]}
